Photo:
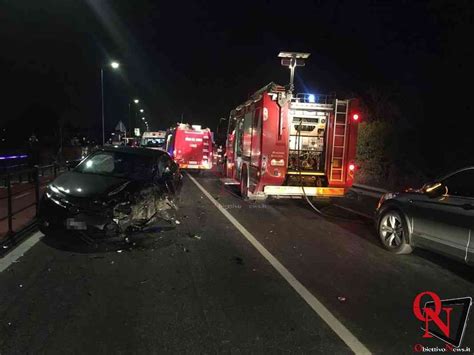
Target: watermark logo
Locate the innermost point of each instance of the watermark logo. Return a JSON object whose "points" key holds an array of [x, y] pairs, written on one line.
{"points": [[443, 319]]}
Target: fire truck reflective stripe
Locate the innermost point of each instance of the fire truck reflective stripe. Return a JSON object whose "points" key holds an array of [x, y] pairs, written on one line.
{"points": [[194, 166], [345, 334], [305, 173], [298, 191]]}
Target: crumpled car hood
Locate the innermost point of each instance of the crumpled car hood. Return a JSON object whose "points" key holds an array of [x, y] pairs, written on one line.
{"points": [[86, 185]]}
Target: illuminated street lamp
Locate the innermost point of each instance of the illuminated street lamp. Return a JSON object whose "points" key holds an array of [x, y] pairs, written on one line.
{"points": [[143, 118], [141, 110], [114, 65], [136, 101]]}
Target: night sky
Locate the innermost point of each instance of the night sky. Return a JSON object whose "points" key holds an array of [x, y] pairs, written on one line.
{"points": [[199, 59]]}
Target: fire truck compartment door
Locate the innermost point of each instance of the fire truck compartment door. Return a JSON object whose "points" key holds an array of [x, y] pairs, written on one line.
{"points": [[298, 191]]}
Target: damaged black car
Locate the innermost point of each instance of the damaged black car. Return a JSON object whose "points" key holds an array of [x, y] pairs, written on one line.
{"points": [[112, 193]]}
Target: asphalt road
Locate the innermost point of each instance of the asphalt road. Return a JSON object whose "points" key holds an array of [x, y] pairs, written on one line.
{"points": [[208, 287]]}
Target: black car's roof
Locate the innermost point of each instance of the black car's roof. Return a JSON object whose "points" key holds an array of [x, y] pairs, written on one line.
{"points": [[133, 150]]}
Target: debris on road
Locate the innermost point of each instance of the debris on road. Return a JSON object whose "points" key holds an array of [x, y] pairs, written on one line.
{"points": [[194, 236], [341, 298], [20, 285], [112, 262], [177, 222], [119, 251], [5, 247], [238, 260], [144, 281]]}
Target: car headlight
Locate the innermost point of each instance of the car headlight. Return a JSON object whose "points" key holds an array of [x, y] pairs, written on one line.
{"points": [[52, 188]]}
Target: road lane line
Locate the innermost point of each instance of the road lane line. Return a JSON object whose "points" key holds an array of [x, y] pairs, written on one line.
{"points": [[22, 195], [343, 333], [18, 252]]}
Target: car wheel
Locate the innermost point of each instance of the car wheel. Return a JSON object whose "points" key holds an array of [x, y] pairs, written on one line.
{"points": [[244, 189], [393, 232]]}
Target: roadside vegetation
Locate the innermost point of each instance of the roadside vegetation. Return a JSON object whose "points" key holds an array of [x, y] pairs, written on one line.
{"points": [[387, 153]]}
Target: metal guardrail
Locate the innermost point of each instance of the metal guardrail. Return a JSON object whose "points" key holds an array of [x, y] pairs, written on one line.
{"points": [[33, 176]]}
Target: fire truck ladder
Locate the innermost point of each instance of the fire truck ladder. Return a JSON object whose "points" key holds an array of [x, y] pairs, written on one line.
{"points": [[339, 141]]}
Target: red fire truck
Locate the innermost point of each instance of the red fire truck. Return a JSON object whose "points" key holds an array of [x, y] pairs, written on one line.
{"points": [[285, 145], [190, 146]]}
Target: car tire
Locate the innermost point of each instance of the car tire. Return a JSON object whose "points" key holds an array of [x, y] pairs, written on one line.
{"points": [[393, 232]]}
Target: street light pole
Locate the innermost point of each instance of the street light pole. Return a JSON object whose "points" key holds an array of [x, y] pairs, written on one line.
{"points": [[114, 65], [102, 94]]}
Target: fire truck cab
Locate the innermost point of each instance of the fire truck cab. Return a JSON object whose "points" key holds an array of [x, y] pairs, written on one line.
{"points": [[282, 145], [190, 146]]}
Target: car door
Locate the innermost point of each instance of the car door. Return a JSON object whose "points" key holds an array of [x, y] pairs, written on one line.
{"points": [[444, 223]]}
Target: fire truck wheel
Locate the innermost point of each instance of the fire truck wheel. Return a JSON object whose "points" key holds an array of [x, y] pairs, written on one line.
{"points": [[393, 232], [244, 188]]}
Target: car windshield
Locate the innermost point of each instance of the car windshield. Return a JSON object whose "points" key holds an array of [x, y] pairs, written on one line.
{"points": [[118, 164]]}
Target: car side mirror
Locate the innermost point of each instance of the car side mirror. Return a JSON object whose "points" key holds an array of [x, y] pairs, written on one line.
{"points": [[435, 189]]}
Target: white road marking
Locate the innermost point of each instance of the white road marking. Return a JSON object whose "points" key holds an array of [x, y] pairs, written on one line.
{"points": [[18, 252], [343, 333], [22, 195]]}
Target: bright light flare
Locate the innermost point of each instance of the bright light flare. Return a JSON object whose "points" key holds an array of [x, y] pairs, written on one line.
{"points": [[115, 65]]}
